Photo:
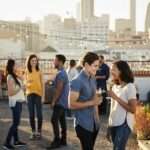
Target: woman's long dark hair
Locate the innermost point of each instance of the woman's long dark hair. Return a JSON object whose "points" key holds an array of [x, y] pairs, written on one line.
{"points": [[9, 70], [126, 73], [28, 64]]}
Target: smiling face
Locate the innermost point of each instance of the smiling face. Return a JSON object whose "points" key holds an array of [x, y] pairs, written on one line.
{"points": [[91, 69], [33, 62], [115, 74]]}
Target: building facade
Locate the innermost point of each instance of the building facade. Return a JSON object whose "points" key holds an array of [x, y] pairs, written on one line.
{"points": [[25, 31], [147, 19], [87, 10]]}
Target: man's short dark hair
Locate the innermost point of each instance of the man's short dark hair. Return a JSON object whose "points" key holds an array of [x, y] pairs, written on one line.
{"points": [[101, 56], [72, 63], [61, 58], [89, 58]]}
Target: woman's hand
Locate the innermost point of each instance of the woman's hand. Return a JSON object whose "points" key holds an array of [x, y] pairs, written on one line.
{"points": [[112, 95]]}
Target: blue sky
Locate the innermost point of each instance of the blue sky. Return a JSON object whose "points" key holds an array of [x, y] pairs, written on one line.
{"points": [[36, 9]]}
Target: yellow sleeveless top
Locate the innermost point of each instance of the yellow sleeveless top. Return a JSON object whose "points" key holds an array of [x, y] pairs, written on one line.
{"points": [[33, 82]]}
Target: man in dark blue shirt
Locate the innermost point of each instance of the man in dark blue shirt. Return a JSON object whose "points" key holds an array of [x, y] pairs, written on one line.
{"points": [[60, 103], [102, 76]]}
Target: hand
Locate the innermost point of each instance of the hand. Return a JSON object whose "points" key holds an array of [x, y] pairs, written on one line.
{"points": [[29, 81], [23, 87], [52, 104], [97, 100], [112, 95]]}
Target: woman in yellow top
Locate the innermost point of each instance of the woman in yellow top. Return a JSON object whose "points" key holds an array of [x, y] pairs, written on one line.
{"points": [[34, 89]]}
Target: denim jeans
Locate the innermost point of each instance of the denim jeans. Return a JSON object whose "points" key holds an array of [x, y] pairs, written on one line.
{"points": [[13, 131], [87, 138], [58, 116], [35, 103], [120, 135]]}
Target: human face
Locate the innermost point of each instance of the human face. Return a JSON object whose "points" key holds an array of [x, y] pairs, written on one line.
{"points": [[33, 62], [56, 63], [115, 73], [91, 69]]}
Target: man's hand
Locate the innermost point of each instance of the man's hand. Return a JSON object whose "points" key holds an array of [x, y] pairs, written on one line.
{"points": [[52, 104]]}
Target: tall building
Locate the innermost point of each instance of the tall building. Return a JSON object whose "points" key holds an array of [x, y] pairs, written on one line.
{"points": [[123, 26], [25, 31], [133, 15], [52, 22], [95, 32], [87, 10], [78, 11], [147, 20]]}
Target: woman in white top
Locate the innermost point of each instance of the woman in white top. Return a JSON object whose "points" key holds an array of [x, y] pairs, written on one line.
{"points": [[123, 104], [72, 71], [16, 97]]}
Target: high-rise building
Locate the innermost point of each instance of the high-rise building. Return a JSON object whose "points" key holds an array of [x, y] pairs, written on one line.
{"points": [[123, 26], [87, 10], [25, 31], [133, 15], [78, 11], [147, 20], [52, 22]]}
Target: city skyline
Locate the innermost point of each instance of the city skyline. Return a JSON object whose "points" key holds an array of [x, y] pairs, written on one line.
{"points": [[36, 9]]}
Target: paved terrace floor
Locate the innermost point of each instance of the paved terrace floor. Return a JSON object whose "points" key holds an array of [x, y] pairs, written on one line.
{"points": [[73, 143]]}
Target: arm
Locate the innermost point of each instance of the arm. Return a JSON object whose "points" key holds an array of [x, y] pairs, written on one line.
{"points": [[97, 113], [75, 103], [100, 77], [11, 88], [58, 91], [130, 106], [42, 83]]}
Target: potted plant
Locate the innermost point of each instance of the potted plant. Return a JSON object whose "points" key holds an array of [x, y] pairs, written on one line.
{"points": [[143, 122]]}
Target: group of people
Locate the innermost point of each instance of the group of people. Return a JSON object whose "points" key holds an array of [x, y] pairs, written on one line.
{"points": [[78, 90]]}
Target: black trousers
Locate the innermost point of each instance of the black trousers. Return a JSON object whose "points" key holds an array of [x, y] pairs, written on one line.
{"points": [[103, 106], [58, 117], [35, 103], [87, 138]]}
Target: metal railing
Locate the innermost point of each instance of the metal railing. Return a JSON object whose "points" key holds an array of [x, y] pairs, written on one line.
{"points": [[47, 66]]}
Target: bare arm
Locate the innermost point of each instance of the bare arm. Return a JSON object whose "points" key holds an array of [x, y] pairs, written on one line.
{"points": [[58, 91], [75, 103], [100, 77], [130, 106], [97, 113], [11, 88], [42, 83]]}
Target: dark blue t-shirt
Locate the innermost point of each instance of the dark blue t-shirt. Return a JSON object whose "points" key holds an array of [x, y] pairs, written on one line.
{"points": [[62, 76], [102, 71]]}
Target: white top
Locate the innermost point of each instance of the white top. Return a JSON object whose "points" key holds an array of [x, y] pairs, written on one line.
{"points": [[117, 113], [19, 97], [71, 72]]}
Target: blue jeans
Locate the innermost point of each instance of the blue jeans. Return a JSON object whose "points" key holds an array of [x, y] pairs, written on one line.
{"points": [[35, 102], [13, 131], [120, 135]]}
